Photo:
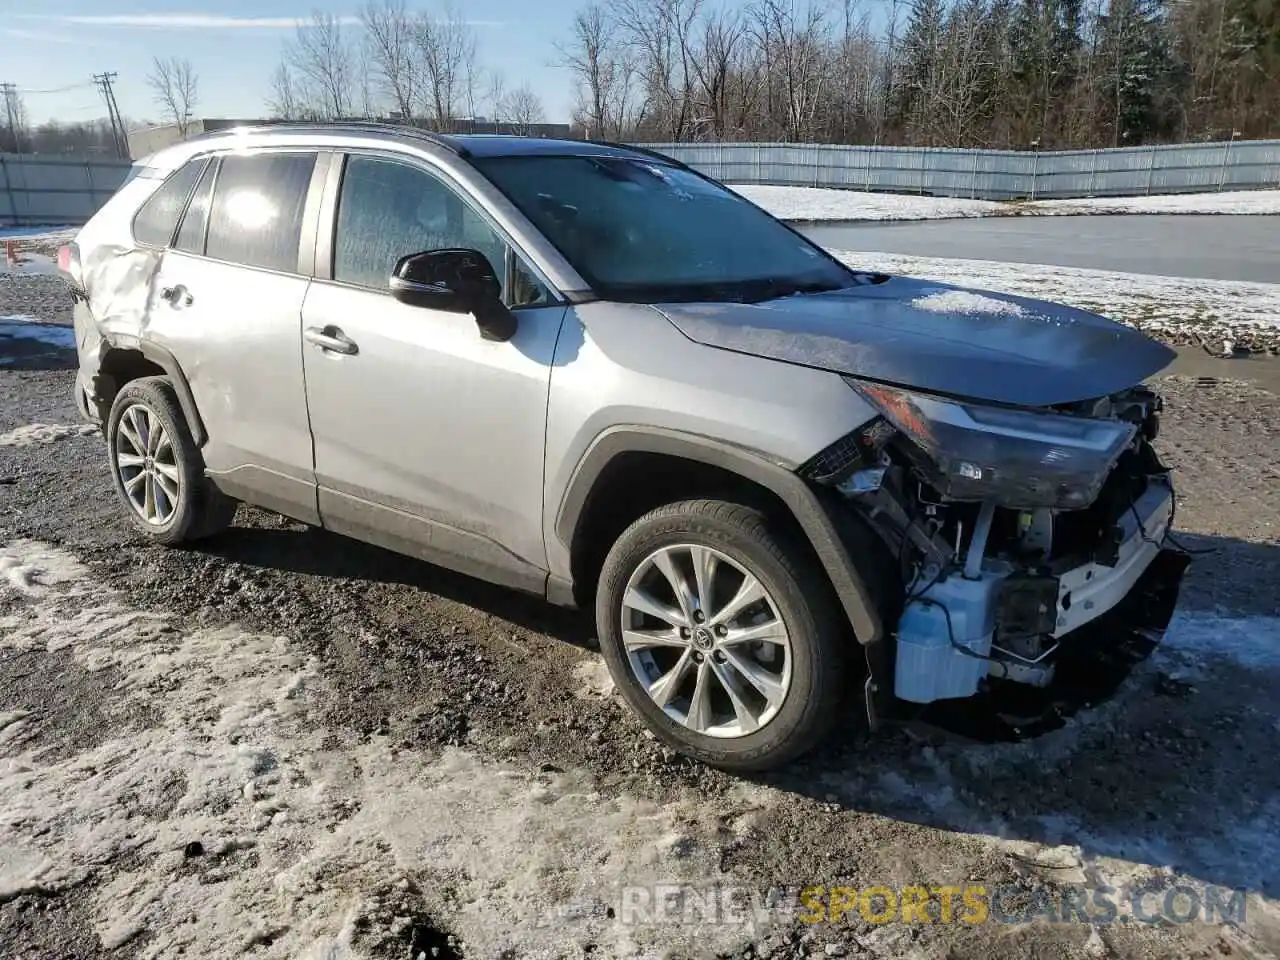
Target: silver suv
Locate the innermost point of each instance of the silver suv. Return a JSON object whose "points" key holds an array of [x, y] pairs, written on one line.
{"points": [[586, 371]]}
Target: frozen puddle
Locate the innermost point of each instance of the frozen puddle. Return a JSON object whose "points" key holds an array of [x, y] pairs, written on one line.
{"points": [[21, 327], [21, 337], [298, 836]]}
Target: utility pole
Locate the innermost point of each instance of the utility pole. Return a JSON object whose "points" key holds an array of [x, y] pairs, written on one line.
{"points": [[118, 135], [10, 93]]}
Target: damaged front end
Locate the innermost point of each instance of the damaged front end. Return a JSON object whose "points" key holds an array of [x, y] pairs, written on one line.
{"points": [[1027, 540]]}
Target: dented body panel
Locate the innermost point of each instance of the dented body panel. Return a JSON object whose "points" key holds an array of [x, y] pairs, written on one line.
{"points": [[236, 333], [915, 333]]}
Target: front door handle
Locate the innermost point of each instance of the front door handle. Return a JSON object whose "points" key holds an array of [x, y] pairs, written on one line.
{"points": [[332, 339]]}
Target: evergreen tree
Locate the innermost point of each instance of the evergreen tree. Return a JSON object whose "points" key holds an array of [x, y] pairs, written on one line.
{"points": [[918, 58]]}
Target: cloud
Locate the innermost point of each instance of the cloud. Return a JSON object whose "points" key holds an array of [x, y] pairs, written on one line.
{"points": [[39, 37], [195, 21], [181, 21]]}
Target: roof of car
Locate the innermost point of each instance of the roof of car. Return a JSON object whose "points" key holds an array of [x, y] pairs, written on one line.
{"points": [[470, 145], [501, 145]]}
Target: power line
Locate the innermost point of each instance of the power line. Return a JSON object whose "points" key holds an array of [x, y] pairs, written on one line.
{"points": [[75, 86]]}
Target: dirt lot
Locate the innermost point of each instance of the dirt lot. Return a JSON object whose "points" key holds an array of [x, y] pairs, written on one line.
{"points": [[286, 744]]}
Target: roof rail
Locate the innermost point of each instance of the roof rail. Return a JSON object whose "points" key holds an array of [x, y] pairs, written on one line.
{"points": [[645, 151], [361, 126]]}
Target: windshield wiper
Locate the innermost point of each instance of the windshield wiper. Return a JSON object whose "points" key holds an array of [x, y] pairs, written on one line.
{"points": [[758, 291], [730, 291]]}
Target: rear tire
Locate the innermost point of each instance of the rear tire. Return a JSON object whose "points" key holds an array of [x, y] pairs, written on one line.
{"points": [[157, 468], [762, 684]]}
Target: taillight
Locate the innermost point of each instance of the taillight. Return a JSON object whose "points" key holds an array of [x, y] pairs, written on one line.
{"points": [[69, 267]]}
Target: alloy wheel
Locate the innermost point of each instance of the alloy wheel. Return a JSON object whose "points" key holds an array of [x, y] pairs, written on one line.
{"points": [[146, 465], [705, 640]]}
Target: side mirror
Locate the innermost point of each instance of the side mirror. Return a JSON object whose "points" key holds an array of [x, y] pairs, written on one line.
{"points": [[457, 281]]}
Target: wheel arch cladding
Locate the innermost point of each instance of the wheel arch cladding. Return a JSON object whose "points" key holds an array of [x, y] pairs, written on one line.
{"points": [[805, 506], [120, 358]]}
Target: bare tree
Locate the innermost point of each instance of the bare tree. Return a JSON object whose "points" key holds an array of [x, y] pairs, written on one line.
{"points": [[661, 35], [520, 110], [604, 71], [367, 99], [795, 49], [320, 62], [397, 69], [284, 102], [175, 89], [961, 98], [496, 92], [722, 37], [448, 56]]}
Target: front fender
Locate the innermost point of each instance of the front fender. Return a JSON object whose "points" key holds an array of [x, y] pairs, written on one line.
{"points": [[800, 499]]}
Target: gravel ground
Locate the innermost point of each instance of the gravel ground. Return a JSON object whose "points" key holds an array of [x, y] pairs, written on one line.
{"points": [[285, 743]]}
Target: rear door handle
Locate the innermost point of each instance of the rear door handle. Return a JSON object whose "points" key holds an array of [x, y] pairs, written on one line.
{"points": [[332, 339]]}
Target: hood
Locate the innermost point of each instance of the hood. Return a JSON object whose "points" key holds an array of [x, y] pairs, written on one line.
{"points": [[936, 338]]}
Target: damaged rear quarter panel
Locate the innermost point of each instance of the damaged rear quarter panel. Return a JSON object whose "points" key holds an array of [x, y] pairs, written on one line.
{"points": [[118, 275]]}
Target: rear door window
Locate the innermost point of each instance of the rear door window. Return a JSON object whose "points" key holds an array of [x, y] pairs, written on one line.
{"points": [[158, 217], [190, 237], [256, 215]]}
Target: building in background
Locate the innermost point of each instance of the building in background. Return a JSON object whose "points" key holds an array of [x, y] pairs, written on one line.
{"points": [[148, 140]]}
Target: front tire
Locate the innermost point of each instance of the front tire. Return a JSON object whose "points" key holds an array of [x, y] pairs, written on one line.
{"points": [[722, 633], [157, 468]]}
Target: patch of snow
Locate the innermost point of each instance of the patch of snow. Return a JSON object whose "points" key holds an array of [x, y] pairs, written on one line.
{"points": [[1227, 202], [828, 203], [299, 833], [22, 327], [43, 567], [37, 433], [823, 203], [301, 830], [964, 301], [1201, 639], [21, 576], [1182, 308], [1236, 849], [593, 678]]}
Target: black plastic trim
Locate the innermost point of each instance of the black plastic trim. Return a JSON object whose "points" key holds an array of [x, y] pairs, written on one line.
{"points": [[799, 498], [644, 152], [173, 370], [307, 241]]}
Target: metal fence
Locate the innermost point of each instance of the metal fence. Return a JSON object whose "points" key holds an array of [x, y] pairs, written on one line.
{"points": [[991, 174], [49, 189], [38, 189]]}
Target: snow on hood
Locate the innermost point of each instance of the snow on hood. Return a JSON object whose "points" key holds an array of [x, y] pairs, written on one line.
{"points": [[936, 338], [966, 301]]}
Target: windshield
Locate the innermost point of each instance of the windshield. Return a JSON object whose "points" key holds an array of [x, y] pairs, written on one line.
{"points": [[644, 231]]}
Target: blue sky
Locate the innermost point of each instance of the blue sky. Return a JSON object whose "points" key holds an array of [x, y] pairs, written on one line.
{"points": [[234, 45]]}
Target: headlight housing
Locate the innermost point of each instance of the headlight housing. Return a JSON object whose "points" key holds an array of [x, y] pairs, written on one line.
{"points": [[1014, 458]]}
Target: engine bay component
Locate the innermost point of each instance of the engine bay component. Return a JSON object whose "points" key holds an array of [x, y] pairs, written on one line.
{"points": [[1014, 529]]}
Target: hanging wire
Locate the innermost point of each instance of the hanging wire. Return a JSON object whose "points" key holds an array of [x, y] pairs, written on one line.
{"points": [[75, 86]]}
